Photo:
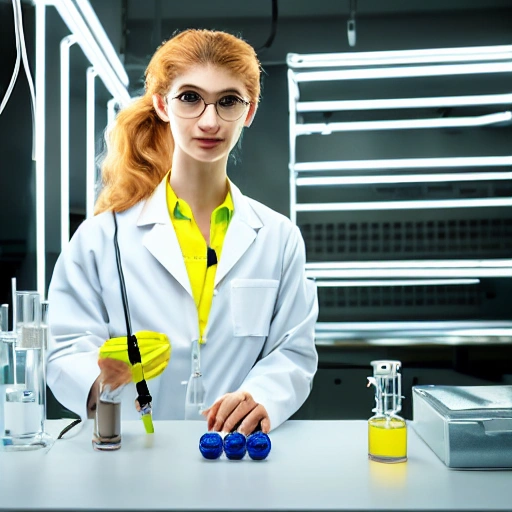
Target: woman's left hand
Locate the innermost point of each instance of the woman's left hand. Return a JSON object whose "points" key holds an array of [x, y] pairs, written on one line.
{"points": [[238, 408]]}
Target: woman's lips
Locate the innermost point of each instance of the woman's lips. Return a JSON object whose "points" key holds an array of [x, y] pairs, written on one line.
{"points": [[208, 143]]}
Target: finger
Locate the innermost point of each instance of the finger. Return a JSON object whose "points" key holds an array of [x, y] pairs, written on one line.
{"points": [[265, 425], [252, 420], [114, 373], [212, 412], [228, 405], [238, 414]]}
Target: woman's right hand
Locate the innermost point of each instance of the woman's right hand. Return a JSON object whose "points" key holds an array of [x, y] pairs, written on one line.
{"points": [[114, 374]]}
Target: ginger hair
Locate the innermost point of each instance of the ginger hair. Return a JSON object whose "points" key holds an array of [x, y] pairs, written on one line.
{"points": [[139, 146]]}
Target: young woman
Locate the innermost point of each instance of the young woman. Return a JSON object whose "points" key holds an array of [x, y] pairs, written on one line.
{"points": [[202, 263]]}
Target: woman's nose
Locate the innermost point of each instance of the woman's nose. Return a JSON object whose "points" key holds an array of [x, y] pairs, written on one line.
{"points": [[209, 118]]}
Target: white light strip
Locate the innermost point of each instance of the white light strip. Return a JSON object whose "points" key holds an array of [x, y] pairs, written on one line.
{"points": [[90, 180], [395, 282], [65, 46], [404, 178], [415, 273], [403, 124], [446, 101], [406, 72], [443, 327], [405, 163], [104, 41], [91, 49], [498, 263], [475, 53], [40, 149], [404, 205]]}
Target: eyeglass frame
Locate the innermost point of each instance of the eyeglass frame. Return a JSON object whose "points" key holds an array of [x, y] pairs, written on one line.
{"points": [[245, 102]]}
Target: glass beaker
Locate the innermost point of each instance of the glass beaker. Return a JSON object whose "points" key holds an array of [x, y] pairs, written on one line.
{"points": [[107, 419], [387, 431]]}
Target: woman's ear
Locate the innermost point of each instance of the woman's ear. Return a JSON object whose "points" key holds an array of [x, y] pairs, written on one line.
{"points": [[250, 115], [160, 107]]}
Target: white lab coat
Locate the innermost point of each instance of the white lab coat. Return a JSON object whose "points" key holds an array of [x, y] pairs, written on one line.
{"points": [[260, 332]]}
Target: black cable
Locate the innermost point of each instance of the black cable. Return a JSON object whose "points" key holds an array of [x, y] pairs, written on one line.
{"points": [[273, 29], [68, 428]]}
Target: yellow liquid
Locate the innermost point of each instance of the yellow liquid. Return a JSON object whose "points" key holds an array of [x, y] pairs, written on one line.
{"points": [[387, 439]]}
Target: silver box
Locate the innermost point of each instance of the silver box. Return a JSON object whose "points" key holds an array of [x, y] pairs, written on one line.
{"points": [[465, 426]]}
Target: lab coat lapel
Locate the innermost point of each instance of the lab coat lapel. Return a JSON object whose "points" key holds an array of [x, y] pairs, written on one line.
{"points": [[241, 233], [161, 241]]}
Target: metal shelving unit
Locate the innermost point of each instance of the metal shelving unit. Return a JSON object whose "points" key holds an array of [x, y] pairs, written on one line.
{"points": [[401, 183]]}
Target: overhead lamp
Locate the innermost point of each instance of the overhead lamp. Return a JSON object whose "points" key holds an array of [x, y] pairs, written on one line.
{"points": [[405, 163], [383, 104], [466, 54], [403, 124], [404, 72], [394, 282], [428, 327], [104, 41], [76, 24], [336, 265], [403, 178], [404, 205]]}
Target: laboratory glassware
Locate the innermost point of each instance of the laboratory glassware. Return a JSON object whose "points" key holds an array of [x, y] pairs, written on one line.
{"points": [[387, 431], [195, 395], [107, 419], [24, 379]]}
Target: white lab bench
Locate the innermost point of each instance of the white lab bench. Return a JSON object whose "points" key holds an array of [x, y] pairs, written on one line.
{"points": [[313, 465]]}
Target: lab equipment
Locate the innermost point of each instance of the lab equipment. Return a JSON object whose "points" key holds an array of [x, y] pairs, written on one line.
{"points": [[465, 426], [23, 378], [4, 317], [258, 446], [107, 419], [211, 445], [195, 395], [387, 431], [235, 446]]}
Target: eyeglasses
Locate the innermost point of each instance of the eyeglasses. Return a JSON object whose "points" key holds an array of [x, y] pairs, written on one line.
{"points": [[189, 105]]}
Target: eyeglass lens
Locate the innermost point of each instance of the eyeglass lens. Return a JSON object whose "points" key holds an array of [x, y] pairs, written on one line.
{"points": [[190, 105]]}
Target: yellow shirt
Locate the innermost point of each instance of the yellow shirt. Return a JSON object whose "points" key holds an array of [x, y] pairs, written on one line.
{"points": [[195, 249]]}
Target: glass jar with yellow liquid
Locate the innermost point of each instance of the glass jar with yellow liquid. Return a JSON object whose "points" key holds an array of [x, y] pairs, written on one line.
{"points": [[387, 431]]}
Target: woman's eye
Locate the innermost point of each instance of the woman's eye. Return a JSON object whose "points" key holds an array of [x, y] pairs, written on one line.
{"points": [[189, 97], [229, 101]]}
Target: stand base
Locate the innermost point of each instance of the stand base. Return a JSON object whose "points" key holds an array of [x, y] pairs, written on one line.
{"points": [[26, 443]]}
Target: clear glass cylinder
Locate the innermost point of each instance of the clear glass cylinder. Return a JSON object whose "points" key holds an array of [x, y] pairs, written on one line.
{"points": [[23, 393], [387, 431], [107, 420]]}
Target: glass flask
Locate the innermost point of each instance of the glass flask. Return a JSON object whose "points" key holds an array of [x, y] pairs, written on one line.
{"points": [[387, 431], [195, 394]]}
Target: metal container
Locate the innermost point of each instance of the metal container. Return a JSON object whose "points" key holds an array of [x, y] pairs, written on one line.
{"points": [[466, 426]]}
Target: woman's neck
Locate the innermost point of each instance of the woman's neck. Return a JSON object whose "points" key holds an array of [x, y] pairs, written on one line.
{"points": [[202, 185]]}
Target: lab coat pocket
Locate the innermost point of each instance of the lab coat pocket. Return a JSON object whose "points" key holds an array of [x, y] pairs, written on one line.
{"points": [[252, 305]]}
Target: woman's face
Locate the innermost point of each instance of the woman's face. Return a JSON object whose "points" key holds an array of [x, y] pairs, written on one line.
{"points": [[208, 136]]}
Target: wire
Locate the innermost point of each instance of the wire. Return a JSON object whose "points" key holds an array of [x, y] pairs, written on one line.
{"points": [[27, 73], [68, 428], [18, 58], [273, 29]]}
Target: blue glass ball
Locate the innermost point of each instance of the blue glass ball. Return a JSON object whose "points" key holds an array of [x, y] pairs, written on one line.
{"points": [[258, 446], [235, 446], [210, 445]]}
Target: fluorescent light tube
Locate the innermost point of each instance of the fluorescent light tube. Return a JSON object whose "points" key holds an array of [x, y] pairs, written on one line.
{"points": [[414, 273], [90, 178], [405, 163], [414, 326], [296, 61], [65, 46], [395, 282], [404, 178], [405, 72], [395, 103], [336, 265], [404, 205], [403, 124], [91, 49], [102, 38], [40, 150]]}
